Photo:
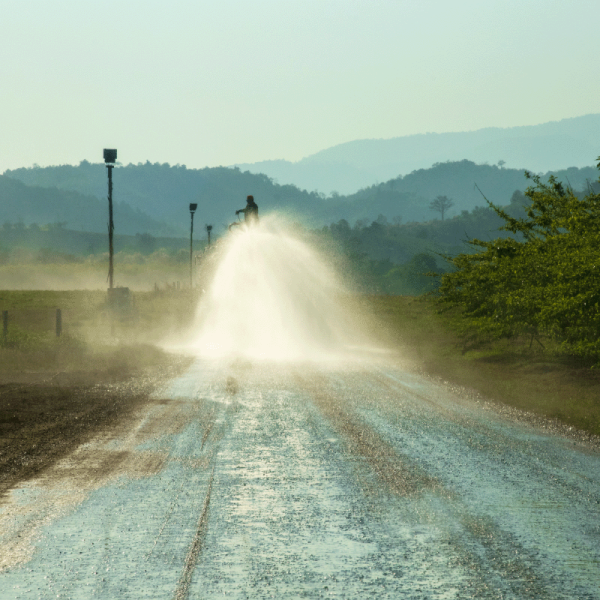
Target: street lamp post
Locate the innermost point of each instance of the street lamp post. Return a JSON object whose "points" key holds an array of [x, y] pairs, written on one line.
{"points": [[110, 157], [208, 230], [193, 208]]}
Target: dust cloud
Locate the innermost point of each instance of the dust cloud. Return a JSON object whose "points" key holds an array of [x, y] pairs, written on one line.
{"points": [[274, 297]]}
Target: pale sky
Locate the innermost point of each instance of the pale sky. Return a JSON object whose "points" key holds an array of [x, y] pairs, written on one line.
{"points": [[229, 81]]}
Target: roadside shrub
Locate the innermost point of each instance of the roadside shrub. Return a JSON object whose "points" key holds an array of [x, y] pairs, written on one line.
{"points": [[541, 282]]}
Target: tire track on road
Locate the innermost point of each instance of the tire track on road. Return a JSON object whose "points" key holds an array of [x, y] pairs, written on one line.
{"points": [[183, 587], [494, 556], [213, 435], [398, 473], [208, 429]]}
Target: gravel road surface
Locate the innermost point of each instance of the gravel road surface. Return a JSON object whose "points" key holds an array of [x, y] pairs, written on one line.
{"points": [[259, 480]]}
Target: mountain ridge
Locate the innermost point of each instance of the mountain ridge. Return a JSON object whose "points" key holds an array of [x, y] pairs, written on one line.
{"points": [[349, 166], [154, 198]]}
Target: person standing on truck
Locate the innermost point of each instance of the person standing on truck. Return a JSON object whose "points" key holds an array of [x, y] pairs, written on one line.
{"points": [[250, 212]]}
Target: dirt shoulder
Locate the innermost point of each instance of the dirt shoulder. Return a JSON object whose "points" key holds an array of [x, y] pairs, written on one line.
{"points": [[512, 373], [46, 414]]}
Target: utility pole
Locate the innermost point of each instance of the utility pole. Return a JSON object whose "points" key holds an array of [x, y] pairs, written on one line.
{"points": [[110, 157], [193, 208]]}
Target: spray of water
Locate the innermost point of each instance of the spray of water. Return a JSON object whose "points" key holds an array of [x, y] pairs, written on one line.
{"points": [[271, 297]]}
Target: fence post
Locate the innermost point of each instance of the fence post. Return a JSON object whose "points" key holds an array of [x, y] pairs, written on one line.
{"points": [[58, 322], [4, 325]]}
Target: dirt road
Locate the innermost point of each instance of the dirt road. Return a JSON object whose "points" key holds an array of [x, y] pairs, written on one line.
{"points": [[46, 415], [345, 481]]}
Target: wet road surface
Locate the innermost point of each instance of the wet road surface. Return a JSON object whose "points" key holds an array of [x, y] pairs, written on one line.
{"points": [[263, 481]]}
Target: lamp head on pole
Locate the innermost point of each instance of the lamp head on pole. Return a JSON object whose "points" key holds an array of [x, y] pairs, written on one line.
{"points": [[110, 155], [193, 208]]}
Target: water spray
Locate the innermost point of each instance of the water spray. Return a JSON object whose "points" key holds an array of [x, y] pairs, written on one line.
{"points": [[272, 297]]}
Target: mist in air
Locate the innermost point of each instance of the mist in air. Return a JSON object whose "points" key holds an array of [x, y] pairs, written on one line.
{"points": [[272, 297]]}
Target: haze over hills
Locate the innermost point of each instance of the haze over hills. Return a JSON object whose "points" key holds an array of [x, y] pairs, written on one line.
{"points": [[24, 205], [374, 229], [345, 168], [154, 198], [158, 192]]}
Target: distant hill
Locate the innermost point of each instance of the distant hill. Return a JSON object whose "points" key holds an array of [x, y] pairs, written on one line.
{"points": [[321, 176], [154, 198], [350, 166], [164, 192], [464, 182], [23, 205]]}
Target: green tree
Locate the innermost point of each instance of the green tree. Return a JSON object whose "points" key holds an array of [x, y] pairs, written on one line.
{"points": [[543, 280], [441, 204]]}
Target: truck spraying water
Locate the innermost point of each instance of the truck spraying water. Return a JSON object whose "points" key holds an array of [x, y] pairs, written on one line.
{"points": [[272, 297]]}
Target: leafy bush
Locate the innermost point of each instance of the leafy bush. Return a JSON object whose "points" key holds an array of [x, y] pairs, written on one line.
{"points": [[543, 281]]}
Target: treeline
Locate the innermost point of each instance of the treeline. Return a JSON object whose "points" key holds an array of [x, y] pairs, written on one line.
{"points": [[386, 236], [395, 257], [465, 182], [541, 281], [381, 256], [54, 243], [164, 192], [154, 198]]}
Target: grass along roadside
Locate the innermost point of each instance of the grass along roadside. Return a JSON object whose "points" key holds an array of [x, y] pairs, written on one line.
{"points": [[510, 372], [92, 337]]}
